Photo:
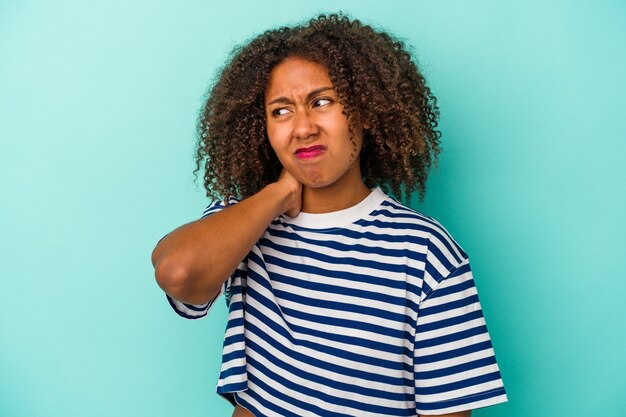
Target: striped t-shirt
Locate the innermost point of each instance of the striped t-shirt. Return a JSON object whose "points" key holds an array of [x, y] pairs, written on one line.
{"points": [[367, 311]]}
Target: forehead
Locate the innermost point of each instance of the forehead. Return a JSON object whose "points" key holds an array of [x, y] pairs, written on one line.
{"points": [[295, 76]]}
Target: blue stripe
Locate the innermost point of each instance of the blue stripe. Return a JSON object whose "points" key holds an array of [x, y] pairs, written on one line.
{"points": [[232, 371], [426, 289], [454, 353], [400, 319], [438, 373], [427, 311], [236, 338], [461, 401], [218, 205], [234, 322], [392, 202], [435, 325], [355, 247], [341, 401], [477, 380], [182, 313], [290, 400], [444, 238], [398, 267], [238, 400], [434, 273], [327, 382], [417, 215], [400, 221], [356, 373], [349, 324], [420, 241], [452, 289], [270, 305], [335, 289], [255, 411], [235, 354], [228, 388], [309, 269], [454, 273], [413, 239], [340, 353], [444, 260], [199, 307], [403, 212], [475, 331]]}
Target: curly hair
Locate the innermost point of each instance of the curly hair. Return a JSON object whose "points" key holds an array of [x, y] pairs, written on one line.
{"points": [[375, 79]]}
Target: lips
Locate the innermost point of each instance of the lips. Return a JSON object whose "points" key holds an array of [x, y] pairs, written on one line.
{"points": [[310, 152]]}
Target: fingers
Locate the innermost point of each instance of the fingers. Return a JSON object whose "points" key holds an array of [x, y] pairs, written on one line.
{"points": [[294, 188]]}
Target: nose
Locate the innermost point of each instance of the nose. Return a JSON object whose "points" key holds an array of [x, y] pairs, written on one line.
{"points": [[304, 125]]}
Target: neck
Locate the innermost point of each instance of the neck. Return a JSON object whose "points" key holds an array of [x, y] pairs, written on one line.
{"points": [[337, 196]]}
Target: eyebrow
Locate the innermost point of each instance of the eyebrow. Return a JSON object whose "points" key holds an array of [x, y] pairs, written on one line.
{"points": [[308, 96]]}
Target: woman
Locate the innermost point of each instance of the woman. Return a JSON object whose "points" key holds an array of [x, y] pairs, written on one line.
{"points": [[343, 302]]}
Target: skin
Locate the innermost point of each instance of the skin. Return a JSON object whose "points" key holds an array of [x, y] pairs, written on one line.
{"points": [[302, 111]]}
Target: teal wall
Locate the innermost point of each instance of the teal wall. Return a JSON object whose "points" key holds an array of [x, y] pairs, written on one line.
{"points": [[98, 102]]}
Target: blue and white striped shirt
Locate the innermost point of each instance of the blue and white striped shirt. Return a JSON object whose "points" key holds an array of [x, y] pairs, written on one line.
{"points": [[368, 311]]}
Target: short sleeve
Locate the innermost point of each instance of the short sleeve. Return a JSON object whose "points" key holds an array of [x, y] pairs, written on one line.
{"points": [[454, 362], [198, 311]]}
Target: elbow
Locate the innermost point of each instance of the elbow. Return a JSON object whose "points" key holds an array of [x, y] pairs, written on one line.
{"points": [[176, 281], [170, 274], [171, 277]]}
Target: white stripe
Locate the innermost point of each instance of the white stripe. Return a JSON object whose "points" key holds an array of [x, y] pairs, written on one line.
{"points": [[232, 347], [460, 376], [468, 406], [368, 335], [447, 363], [415, 244], [340, 259], [460, 393], [343, 282], [337, 393], [457, 344], [325, 357], [445, 331], [343, 298], [455, 312], [324, 405]]}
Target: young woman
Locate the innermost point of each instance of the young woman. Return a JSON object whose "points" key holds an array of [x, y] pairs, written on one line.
{"points": [[343, 301]]}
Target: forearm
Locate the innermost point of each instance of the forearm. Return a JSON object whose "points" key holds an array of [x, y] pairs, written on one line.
{"points": [[192, 262]]}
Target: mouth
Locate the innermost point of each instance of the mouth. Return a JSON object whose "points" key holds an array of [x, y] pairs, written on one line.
{"points": [[310, 152]]}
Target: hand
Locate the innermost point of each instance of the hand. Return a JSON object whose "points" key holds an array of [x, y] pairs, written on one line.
{"points": [[294, 187]]}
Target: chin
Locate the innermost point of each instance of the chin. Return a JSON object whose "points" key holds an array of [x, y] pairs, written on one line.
{"points": [[316, 184], [321, 181], [314, 180]]}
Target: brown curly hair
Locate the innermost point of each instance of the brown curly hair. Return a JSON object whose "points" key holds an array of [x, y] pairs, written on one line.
{"points": [[375, 79]]}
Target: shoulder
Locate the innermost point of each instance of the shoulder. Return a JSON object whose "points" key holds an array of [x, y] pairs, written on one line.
{"points": [[218, 205], [414, 223]]}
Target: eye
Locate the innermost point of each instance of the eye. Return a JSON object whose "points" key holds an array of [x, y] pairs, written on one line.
{"points": [[319, 102], [280, 111]]}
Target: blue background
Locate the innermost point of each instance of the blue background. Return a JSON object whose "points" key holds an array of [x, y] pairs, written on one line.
{"points": [[98, 103]]}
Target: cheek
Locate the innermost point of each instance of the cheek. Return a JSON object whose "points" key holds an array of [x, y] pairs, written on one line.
{"points": [[280, 147], [273, 136]]}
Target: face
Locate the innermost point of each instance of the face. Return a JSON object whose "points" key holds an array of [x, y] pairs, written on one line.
{"points": [[306, 126]]}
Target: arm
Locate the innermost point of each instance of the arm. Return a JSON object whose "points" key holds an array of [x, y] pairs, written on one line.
{"points": [[193, 261]]}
